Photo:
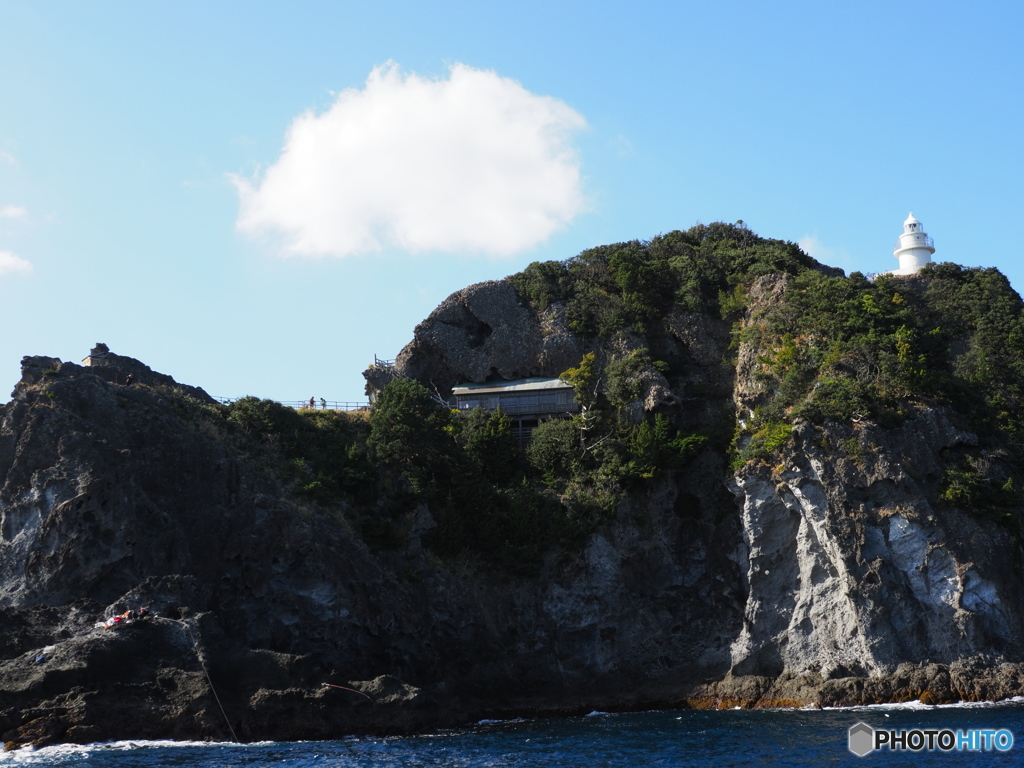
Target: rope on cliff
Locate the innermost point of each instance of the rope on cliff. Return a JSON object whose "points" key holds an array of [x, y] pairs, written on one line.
{"points": [[343, 688], [202, 663]]}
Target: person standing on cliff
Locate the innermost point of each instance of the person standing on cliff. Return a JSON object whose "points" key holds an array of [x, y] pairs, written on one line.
{"points": [[312, 403]]}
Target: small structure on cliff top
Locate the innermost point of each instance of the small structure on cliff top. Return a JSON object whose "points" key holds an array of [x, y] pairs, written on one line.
{"points": [[121, 369], [96, 355], [914, 248]]}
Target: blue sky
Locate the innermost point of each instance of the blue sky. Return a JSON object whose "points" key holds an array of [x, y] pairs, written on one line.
{"points": [[257, 198]]}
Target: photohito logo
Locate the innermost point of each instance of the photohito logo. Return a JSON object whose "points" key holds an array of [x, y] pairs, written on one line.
{"points": [[864, 739]]}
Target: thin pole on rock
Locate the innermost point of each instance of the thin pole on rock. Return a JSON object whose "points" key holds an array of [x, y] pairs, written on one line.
{"points": [[202, 663]]}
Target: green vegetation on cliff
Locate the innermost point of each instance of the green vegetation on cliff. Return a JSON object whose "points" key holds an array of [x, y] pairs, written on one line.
{"points": [[829, 347], [508, 505], [322, 453], [490, 498], [636, 284], [847, 349], [826, 349], [839, 347]]}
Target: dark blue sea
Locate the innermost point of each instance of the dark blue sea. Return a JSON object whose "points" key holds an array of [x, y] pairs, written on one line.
{"points": [[665, 738]]}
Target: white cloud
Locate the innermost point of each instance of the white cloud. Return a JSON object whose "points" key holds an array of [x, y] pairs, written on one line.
{"points": [[13, 212], [7, 157], [471, 163], [828, 255], [813, 247], [11, 264]]}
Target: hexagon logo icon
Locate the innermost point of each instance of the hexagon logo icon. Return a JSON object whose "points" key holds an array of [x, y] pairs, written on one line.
{"points": [[861, 739]]}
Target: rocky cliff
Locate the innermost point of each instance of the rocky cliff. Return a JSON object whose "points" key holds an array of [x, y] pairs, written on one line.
{"points": [[115, 498], [855, 569], [793, 559]]}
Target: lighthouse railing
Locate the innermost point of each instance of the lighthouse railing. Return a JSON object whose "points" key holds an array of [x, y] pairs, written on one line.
{"points": [[925, 242]]}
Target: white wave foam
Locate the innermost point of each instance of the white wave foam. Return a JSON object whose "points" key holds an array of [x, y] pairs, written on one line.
{"points": [[43, 755], [487, 721], [917, 705]]}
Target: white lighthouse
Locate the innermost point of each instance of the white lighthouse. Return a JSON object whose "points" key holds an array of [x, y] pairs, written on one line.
{"points": [[914, 248]]}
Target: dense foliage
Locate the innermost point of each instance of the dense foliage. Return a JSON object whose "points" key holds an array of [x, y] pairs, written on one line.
{"points": [[489, 497], [322, 452], [635, 284], [839, 347], [470, 471], [829, 349], [844, 349]]}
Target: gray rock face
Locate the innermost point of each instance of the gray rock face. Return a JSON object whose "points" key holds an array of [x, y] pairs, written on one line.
{"points": [[851, 571], [560, 348], [479, 333], [484, 333]]}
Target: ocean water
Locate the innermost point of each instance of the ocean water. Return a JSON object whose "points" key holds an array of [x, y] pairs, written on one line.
{"points": [[664, 738]]}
